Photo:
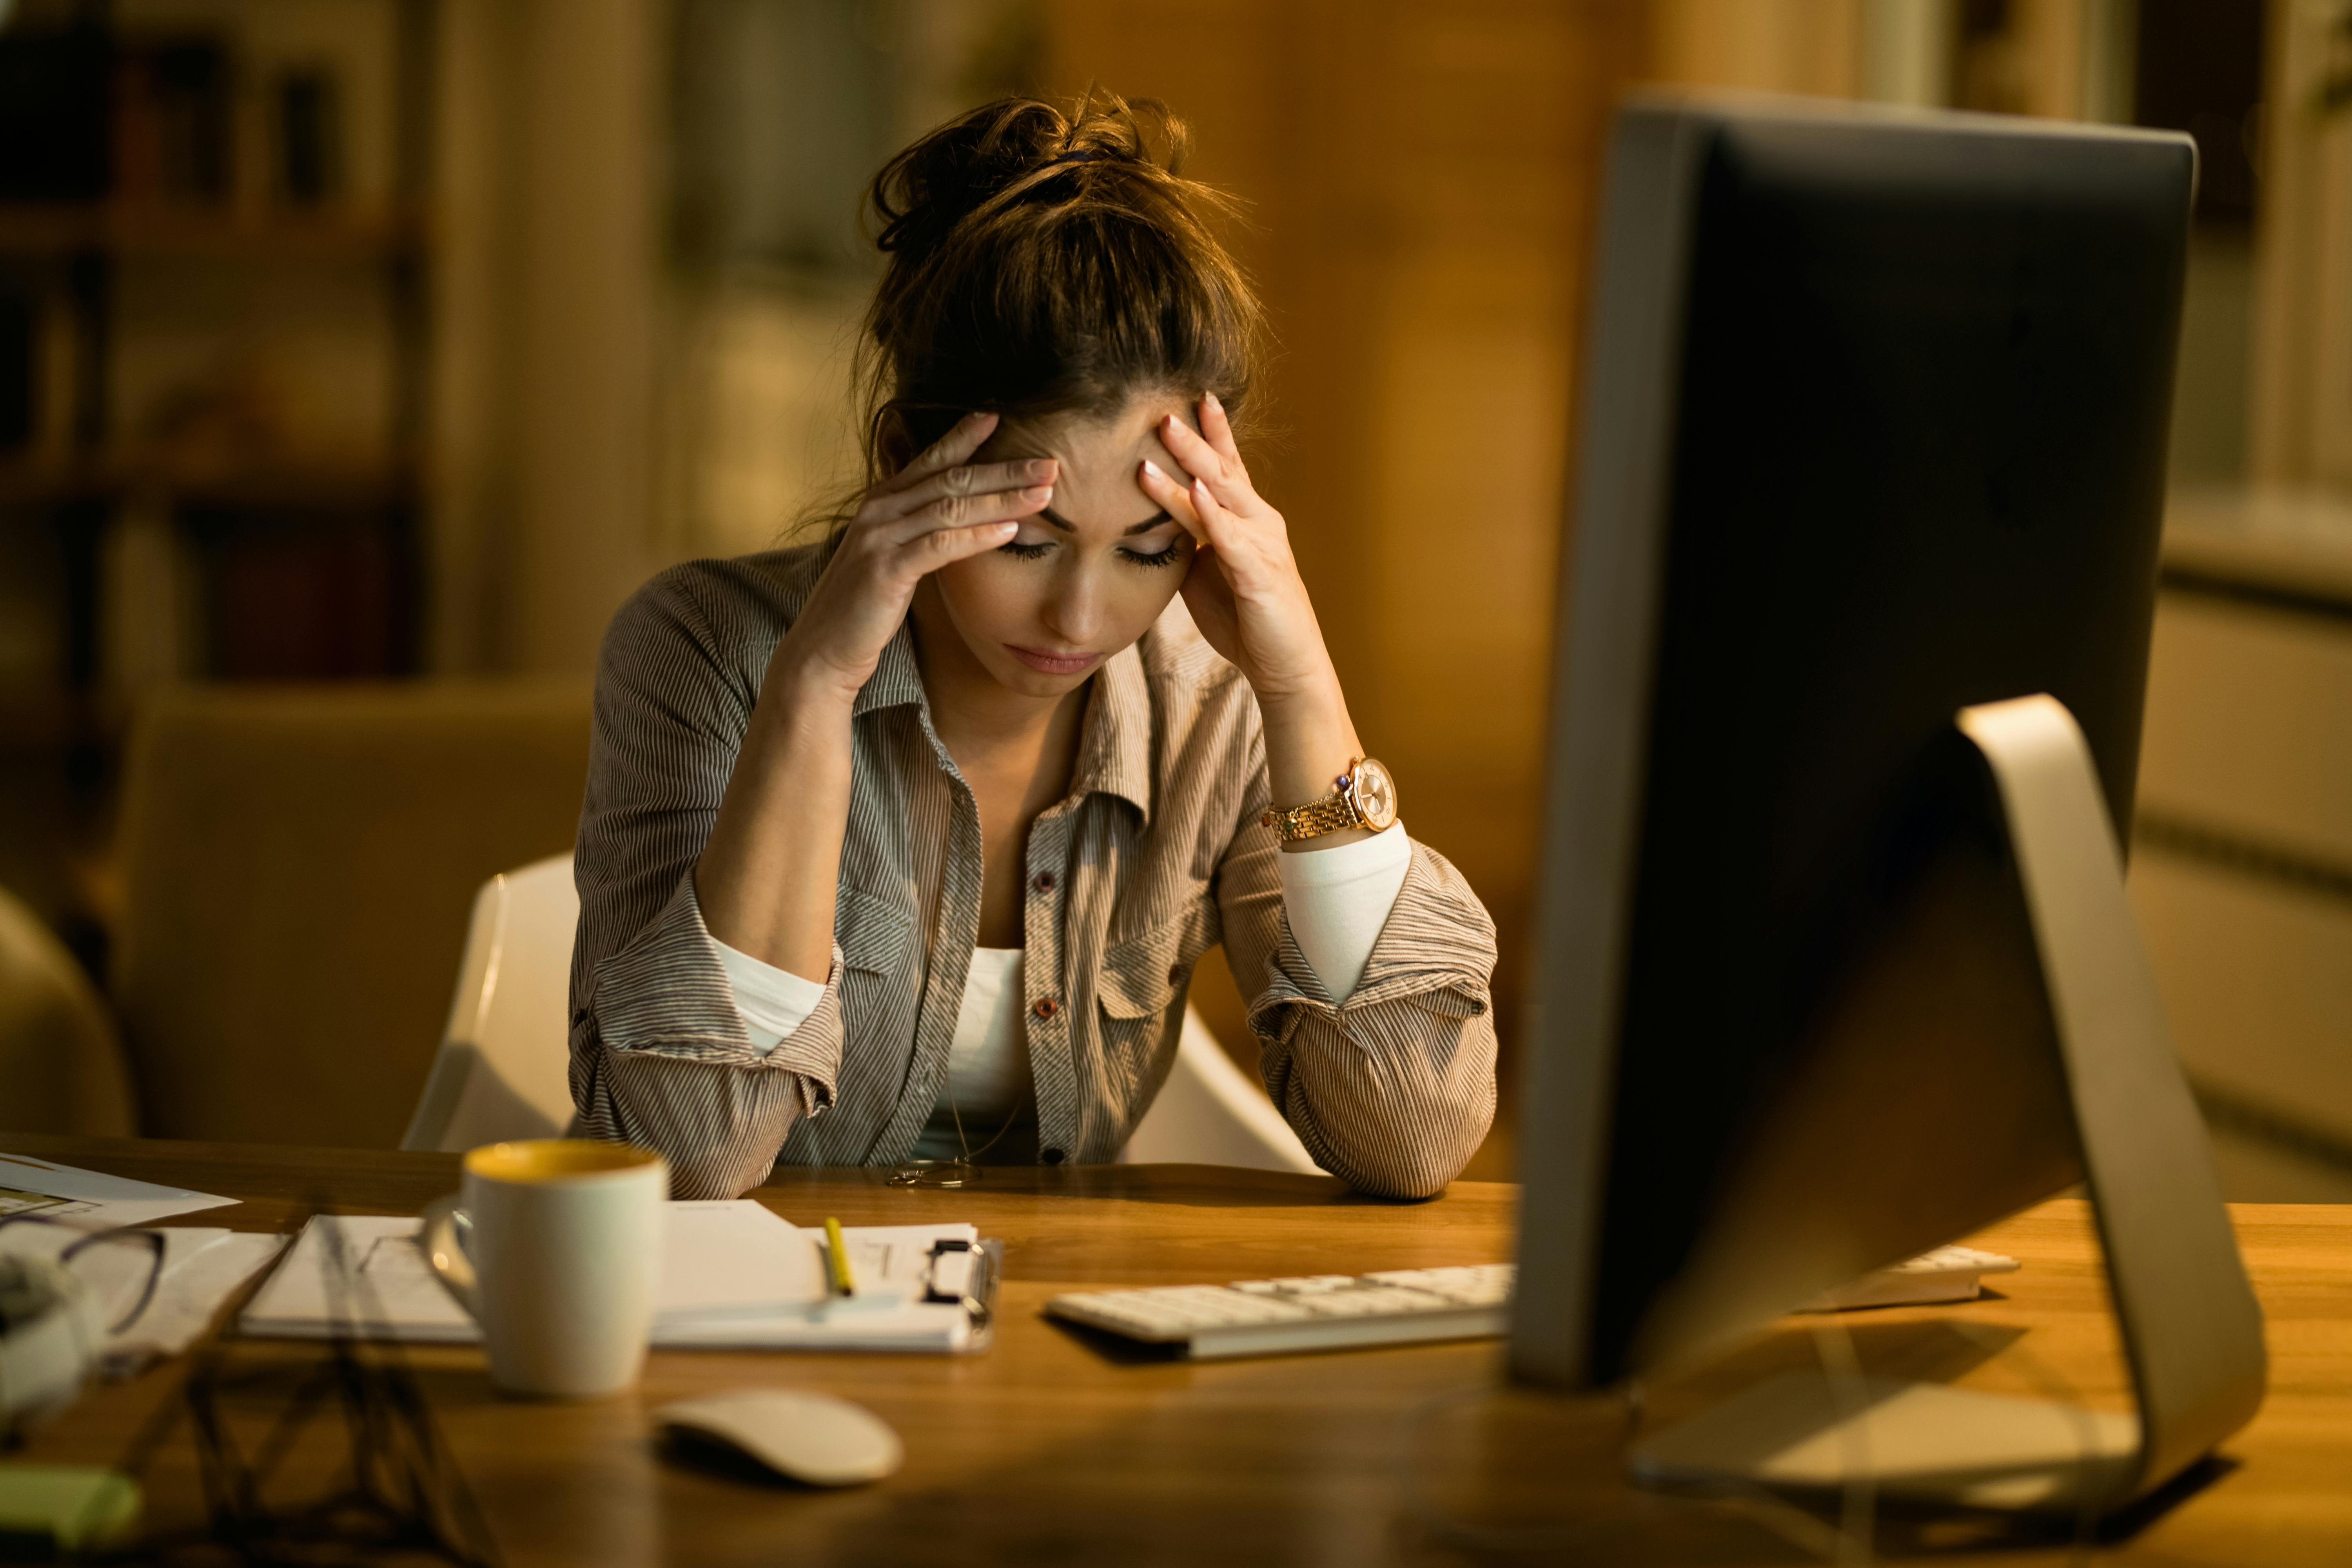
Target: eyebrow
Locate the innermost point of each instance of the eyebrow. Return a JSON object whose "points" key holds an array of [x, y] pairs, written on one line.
{"points": [[1146, 526]]}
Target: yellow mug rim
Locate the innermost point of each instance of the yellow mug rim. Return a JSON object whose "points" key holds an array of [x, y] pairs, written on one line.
{"points": [[539, 1161]]}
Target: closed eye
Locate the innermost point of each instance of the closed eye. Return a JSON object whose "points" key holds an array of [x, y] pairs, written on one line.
{"points": [[1163, 557]]}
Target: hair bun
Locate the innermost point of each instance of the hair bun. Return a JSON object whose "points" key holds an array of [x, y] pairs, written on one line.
{"points": [[1008, 150], [1040, 262]]}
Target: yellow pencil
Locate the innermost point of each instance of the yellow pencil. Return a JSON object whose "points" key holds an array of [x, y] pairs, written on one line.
{"points": [[836, 1253]]}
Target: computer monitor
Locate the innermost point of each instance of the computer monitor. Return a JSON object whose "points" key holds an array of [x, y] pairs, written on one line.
{"points": [[1875, 411]]}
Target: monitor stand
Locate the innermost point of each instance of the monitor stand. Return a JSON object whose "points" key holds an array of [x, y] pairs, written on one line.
{"points": [[2191, 1331]]}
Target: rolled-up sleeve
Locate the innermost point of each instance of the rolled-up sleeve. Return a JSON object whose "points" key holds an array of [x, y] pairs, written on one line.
{"points": [[659, 1054], [1393, 1090]]}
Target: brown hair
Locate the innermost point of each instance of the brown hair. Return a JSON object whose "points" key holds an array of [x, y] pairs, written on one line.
{"points": [[1044, 262]]}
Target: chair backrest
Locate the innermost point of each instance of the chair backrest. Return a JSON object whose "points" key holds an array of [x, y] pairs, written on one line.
{"points": [[60, 1063], [502, 1068], [1210, 1112], [297, 863]]}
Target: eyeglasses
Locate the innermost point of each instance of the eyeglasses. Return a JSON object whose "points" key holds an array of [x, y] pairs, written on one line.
{"points": [[143, 1249], [933, 1173]]}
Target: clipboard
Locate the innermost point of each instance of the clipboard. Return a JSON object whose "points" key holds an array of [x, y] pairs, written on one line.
{"points": [[965, 1273]]}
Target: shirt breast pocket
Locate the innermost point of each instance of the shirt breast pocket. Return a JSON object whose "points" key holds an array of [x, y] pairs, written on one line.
{"points": [[1138, 987], [873, 931], [877, 936]]}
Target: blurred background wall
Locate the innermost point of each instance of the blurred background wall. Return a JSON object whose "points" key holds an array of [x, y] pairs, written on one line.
{"points": [[387, 340]]}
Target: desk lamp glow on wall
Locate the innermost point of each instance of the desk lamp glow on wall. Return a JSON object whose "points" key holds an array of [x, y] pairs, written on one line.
{"points": [[1834, 959]]}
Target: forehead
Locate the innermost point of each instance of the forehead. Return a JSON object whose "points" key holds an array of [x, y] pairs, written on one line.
{"points": [[1098, 487], [1092, 446]]}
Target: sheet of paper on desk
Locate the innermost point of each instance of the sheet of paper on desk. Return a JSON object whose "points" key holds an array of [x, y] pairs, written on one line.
{"points": [[737, 1255], [192, 1289], [383, 1283], [728, 1280], [29, 1185]]}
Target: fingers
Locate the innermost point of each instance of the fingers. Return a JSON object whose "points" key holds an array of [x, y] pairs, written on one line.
{"points": [[944, 546], [1227, 480], [1195, 507], [1177, 498], [969, 483], [1214, 518], [953, 511], [958, 444], [1219, 430]]}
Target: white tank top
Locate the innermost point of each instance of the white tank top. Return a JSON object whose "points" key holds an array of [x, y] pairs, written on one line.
{"points": [[987, 1060]]}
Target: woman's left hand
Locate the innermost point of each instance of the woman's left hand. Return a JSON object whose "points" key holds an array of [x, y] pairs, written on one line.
{"points": [[1245, 595], [1244, 587]]}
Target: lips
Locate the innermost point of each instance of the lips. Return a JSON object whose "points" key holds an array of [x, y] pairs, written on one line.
{"points": [[1046, 662]]}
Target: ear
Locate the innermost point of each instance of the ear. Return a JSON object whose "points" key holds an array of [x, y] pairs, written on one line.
{"points": [[891, 445]]}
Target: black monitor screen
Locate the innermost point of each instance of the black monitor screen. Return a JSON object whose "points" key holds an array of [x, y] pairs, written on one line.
{"points": [[1874, 430]]}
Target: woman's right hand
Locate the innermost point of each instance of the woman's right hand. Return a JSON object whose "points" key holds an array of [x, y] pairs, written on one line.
{"points": [[938, 509]]}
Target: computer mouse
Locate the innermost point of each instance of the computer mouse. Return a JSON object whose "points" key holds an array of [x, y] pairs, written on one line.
{"points": [[811, 1437]]}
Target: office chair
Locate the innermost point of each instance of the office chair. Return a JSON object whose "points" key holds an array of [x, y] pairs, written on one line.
{"points": [[500, 1072], [60, 1058]]}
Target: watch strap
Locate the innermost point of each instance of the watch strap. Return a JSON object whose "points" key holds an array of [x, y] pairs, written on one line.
{"points": [[1332, 814], [1335, 813]]}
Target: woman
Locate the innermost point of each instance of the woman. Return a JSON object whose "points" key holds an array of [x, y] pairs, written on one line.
{"points": [[904, 845]]}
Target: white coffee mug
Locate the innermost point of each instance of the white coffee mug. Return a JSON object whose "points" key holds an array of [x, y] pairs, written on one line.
{"points": [[553, 1247]]}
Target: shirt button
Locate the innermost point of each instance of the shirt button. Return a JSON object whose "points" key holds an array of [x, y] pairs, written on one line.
{"points": [[1045, 1007], [1052, 1156], [1044, 881]]}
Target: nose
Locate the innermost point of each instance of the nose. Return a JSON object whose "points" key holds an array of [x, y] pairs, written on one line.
{"points": [[1073, 611]]}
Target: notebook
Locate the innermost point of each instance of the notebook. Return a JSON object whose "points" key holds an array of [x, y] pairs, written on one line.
{"points": [[727, 1282]]}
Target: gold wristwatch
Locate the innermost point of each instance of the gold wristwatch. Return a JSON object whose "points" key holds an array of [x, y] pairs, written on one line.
{"points": [[1363, 797]]}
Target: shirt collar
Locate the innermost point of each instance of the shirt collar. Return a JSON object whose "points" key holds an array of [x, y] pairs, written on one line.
{"points": [[897, 680], [1115, 745]]}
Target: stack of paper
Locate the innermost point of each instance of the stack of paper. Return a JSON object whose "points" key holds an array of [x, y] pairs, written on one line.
{"points": [[734, 1276], [200, 1267]]}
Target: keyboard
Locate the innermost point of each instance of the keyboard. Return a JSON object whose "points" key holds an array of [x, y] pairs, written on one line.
{"points": [[1407, 1306], [1312, 1313]]}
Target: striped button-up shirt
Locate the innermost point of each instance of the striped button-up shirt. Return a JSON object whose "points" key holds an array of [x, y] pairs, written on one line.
{"points": [[1155, 855]]}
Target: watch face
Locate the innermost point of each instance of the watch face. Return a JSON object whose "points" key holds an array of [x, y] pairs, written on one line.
{"points": [[1374, 793]]}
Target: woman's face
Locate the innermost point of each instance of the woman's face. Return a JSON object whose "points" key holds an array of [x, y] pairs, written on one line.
{"points": [[1088, 575]]}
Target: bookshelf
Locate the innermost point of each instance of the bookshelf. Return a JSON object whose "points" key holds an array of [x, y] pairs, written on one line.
{"points": [[215, 258], [160, 228]]}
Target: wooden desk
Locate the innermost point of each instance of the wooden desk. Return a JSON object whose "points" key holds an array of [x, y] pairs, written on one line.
{"points": [[1056, 1448]]}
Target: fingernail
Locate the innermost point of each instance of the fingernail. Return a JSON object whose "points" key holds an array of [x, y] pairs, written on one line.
{"points": [[1007, 528], [1153, 469], [1038, 492], [1211, 399]]}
